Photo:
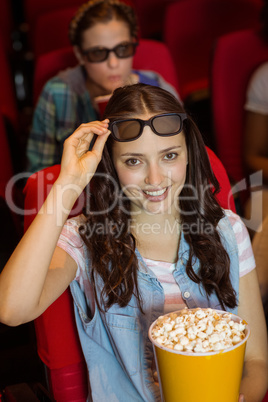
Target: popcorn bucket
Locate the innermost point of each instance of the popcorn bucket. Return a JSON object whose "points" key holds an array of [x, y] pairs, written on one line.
{"points": [[200, 377]]}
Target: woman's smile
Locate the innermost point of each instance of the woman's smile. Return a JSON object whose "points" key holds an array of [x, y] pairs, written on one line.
{"points": [[156, 195]]}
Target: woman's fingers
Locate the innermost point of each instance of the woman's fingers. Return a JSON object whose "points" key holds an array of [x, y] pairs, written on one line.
{"points": [[87, 130], [79, 142], [80, 156], [100, 142]]}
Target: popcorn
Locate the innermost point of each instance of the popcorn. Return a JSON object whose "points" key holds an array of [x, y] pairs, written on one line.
{"points": [[198, 330]]}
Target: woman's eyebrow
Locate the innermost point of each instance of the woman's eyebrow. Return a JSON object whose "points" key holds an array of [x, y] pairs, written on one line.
{"points": [[160, 152]]}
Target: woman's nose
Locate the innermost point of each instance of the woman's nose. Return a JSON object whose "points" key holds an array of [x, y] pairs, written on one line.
{"points": [[112, 60], [154, 175]]}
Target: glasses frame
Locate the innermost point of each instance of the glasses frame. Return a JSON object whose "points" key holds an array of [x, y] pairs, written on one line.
{"points": [[86, 53], [149, 122]]}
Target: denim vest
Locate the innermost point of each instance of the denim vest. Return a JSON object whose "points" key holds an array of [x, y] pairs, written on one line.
{"points": [[115, 344]]}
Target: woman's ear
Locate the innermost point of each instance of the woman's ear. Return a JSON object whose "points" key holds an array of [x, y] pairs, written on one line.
{"points": [[79, 55]]}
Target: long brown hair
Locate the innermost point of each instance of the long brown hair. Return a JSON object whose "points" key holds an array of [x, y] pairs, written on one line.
{"points": [[113, 254]]}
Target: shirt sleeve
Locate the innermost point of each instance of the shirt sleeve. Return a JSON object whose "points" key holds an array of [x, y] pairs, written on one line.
{"points": [[53, 121], [41, 143], [257, 93], [245, 252], [71, 242]]}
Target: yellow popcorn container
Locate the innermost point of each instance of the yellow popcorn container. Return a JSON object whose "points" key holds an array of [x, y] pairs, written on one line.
{"points": [[200, 377]]}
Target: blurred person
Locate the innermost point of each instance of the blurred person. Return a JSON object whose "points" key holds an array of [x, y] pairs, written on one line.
{"points": [[256, 132], [104, 35], [260, 250]]}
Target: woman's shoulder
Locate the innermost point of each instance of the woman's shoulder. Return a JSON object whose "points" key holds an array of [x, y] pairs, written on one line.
{"points": [[70, 239], [71, 79], [257, 90], [237, 225], [234, 219], [75, 223], [261, 73], [70, 232]]}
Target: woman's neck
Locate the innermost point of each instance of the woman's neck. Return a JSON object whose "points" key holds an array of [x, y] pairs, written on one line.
{"points": [[157, 236]]}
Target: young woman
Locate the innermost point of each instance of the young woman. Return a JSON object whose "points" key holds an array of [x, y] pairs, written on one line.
{"points": [[104, 36], [152, 239]]}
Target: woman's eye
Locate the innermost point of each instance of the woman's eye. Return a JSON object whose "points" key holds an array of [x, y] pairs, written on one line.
{"points": [[171, 156], [132, 162]]}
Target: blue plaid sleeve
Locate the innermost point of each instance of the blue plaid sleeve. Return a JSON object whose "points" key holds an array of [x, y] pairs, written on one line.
{"points": [[58, 113]]}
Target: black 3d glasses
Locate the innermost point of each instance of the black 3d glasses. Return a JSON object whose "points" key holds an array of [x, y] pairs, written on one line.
{"points": [[166, 124]]}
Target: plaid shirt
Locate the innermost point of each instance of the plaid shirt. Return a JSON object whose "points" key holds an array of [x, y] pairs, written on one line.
{"points": [[63, 105]]}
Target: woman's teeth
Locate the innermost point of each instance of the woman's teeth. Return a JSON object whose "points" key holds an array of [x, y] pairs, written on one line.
{"points": [[155, 193]]}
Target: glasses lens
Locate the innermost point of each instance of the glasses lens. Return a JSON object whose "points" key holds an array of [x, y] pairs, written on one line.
{"points": [[97, 55], [167, 124], [126, 130], [125, 50]]}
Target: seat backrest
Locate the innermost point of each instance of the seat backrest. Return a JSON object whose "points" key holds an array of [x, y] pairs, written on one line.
{"points": [[150, 55], [34, 9], [8, 104], [6, 169], [6, 24], [190, 30], [57, 338], [46, 39], [12, 195], [150, 14], [236, 56]]}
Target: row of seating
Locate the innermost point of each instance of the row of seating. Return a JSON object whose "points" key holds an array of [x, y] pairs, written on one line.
{"points": [[182, 25]]}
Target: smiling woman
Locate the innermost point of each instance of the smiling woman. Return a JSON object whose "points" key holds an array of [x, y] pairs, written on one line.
{"points": [[152, 238]]}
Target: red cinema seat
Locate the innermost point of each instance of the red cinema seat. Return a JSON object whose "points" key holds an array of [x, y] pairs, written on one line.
{"points": [[51, 31], [236, 56], [8, 103], [6, 169], [6, 24], [190, 31], [33, 9], [8, 188]]}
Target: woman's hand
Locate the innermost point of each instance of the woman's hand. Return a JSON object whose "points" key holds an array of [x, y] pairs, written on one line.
{"points": [[78, 163], [241, 398]]}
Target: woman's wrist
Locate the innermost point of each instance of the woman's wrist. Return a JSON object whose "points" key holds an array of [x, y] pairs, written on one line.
{"points": [[67, 192], [61, 200]]}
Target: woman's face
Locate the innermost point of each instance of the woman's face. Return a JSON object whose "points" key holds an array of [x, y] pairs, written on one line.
{"points": [[152, 171], [106, 76]]}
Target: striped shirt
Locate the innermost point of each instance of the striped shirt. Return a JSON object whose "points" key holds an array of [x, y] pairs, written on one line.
{"points": [[72, 243], [164, 270]]}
